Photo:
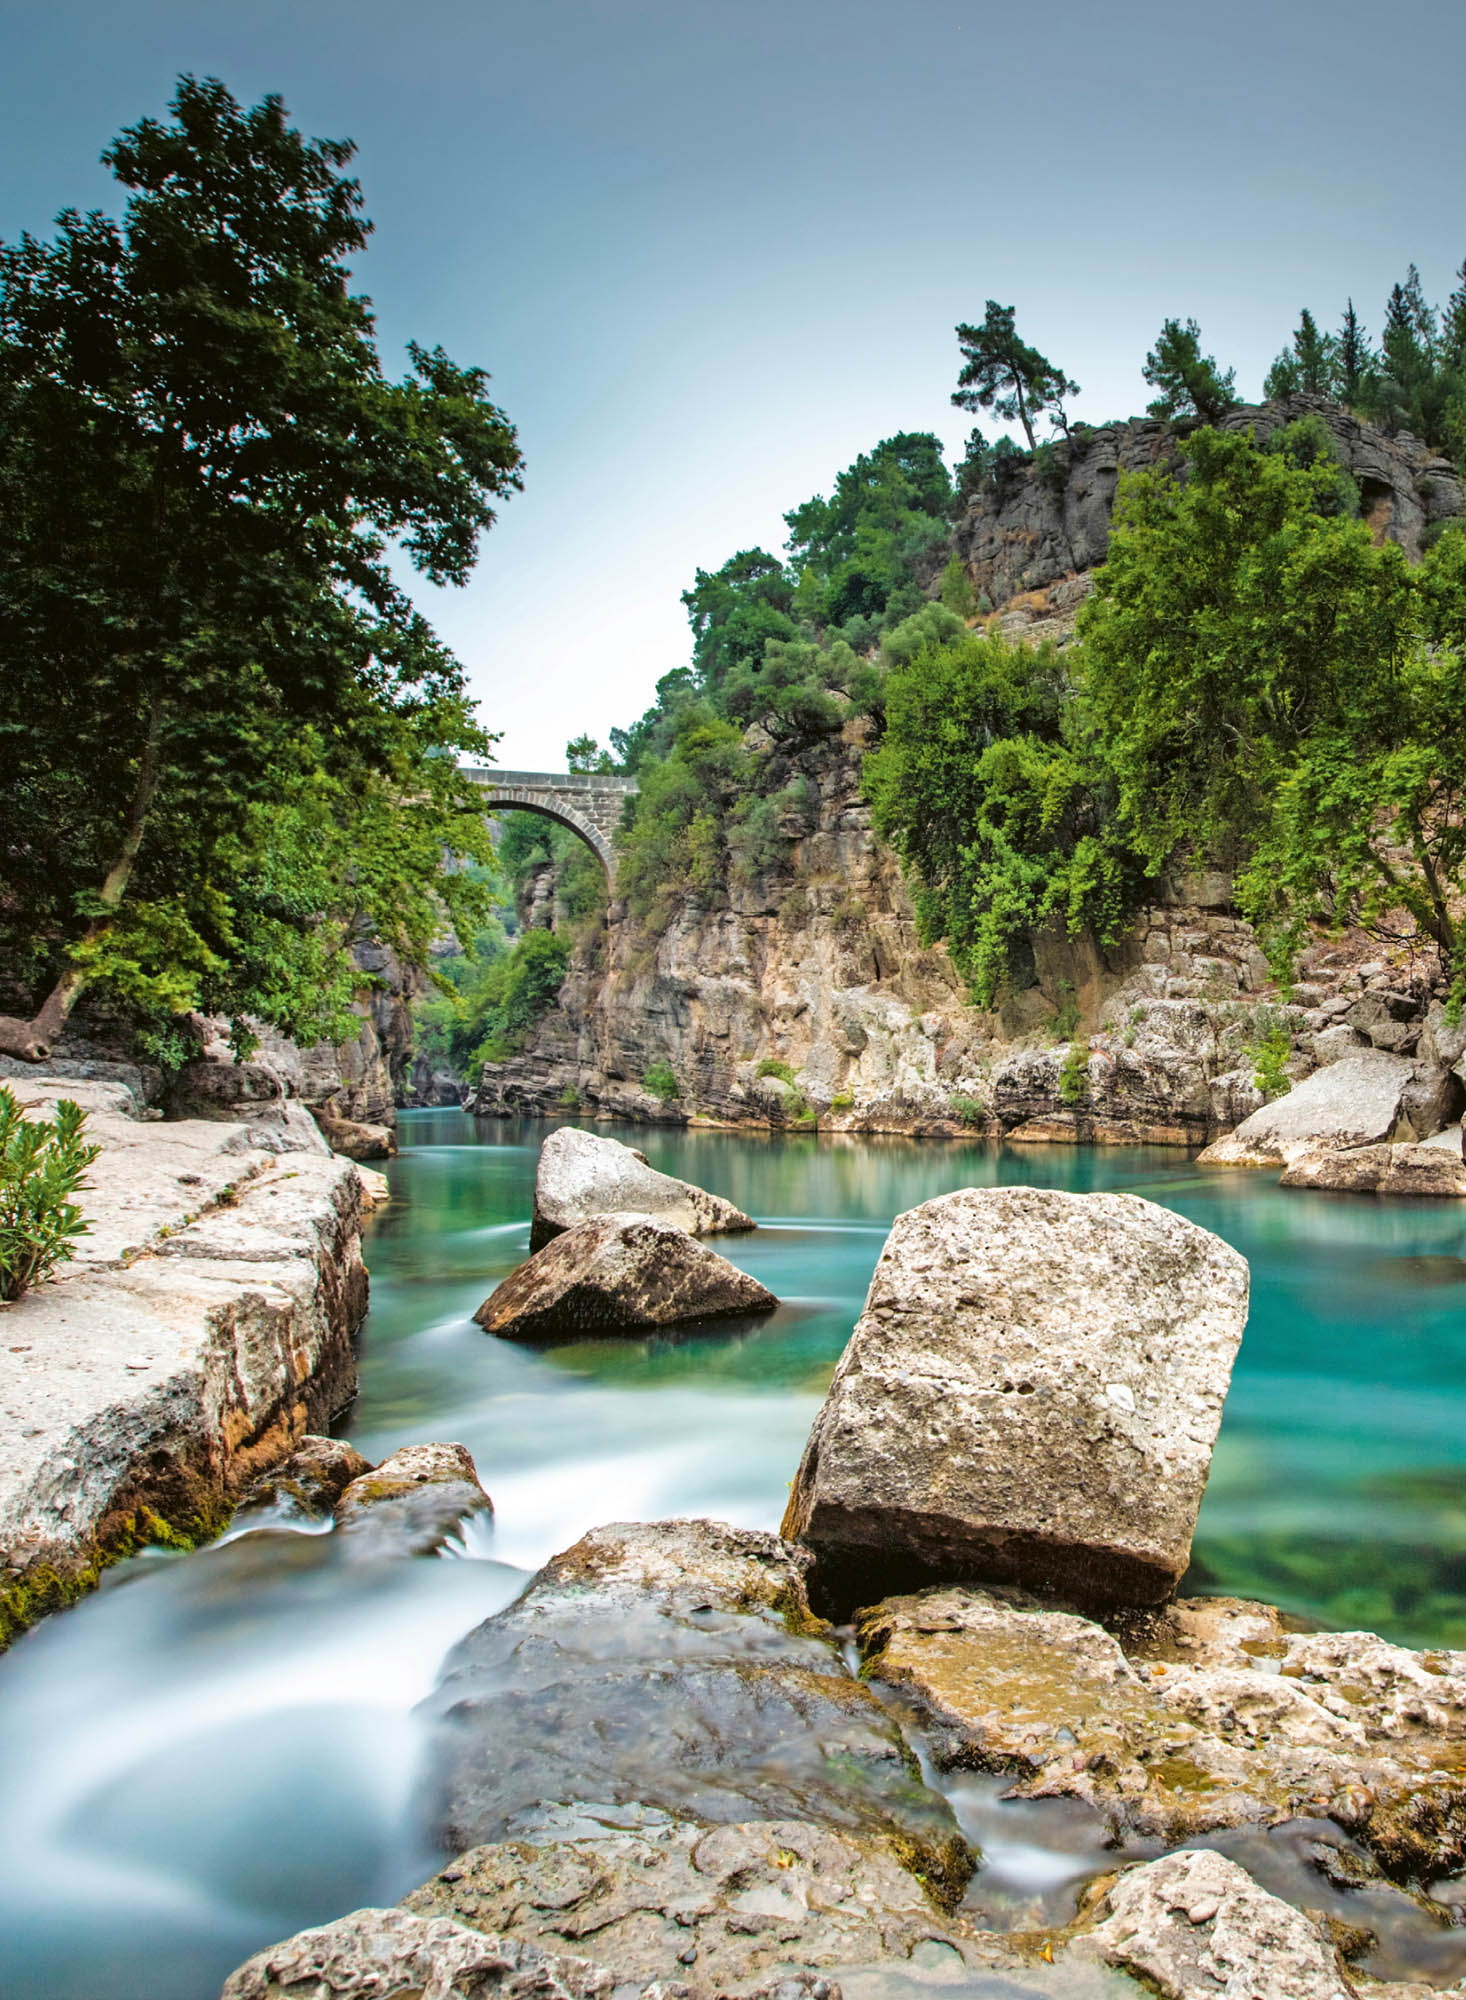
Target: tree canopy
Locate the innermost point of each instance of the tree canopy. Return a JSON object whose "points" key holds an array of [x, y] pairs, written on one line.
{"points": [[228, 739], [1190, 387], [1002, 373]]}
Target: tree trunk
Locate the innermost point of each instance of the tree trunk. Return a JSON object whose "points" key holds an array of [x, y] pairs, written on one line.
{"points": [[1023, 412], [32, 1040]]}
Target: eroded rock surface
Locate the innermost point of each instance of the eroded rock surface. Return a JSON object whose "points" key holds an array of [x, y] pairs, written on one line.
{"points": [[312, 1478], [355, 1140], [583, 1176], [675, 1667], [1031, 1395], [1196, 1925], [619, 1274], [1356, 1101], [1423, 1169], [411, 1503], [1216, 1717]]}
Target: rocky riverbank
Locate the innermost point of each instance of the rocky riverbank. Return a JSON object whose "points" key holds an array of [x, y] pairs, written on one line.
{"points": [[204, 1325]]}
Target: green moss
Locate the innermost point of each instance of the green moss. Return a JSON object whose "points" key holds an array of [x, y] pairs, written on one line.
{"points": [[45, 1587], [771, 1066]]}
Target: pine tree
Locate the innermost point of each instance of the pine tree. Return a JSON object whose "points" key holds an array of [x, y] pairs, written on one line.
{"points": [[1192, 388], [1355, 356], [1003, 374]]}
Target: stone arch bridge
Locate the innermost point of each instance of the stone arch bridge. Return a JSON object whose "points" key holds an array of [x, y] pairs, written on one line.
{"points": [[588, 802]]}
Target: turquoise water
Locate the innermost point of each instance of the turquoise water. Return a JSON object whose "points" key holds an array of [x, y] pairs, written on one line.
{"points": [[217, 1749], [1339, 1484]]}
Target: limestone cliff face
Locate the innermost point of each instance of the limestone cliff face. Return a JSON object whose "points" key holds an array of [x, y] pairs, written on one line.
{"points": [[1038, 530]]}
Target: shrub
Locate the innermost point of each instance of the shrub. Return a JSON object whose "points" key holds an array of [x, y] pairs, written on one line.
{"points": [[42, 1165], [843, 1102], [1074, 1075], [968, 1110], [661, 1081], [1067, 1018], [518, 990], [771, 1066], [1268, 1051]]}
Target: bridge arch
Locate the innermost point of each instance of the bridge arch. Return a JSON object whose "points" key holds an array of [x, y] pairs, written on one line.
{"points": [[588, 803]]}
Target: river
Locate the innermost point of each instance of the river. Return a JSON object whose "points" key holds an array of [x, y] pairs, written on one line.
{"points": [[217, 1749]]}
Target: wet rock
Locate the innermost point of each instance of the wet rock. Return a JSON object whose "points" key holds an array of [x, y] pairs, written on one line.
{"points": [[1353, 1102], [411, 1503], [721, 1908], [619, 1274], [394, 1955], [354, 1140], [583, 1176], [1210, 1716], [1407, 1170], [1195, 1924], [675, 1667], [313, 1478], [1030, 1396]]}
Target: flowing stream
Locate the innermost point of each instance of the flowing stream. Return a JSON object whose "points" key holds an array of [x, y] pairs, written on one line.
{"points": [[217, 1749]]}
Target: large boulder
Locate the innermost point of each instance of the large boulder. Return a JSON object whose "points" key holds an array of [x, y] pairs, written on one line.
{"points": [[582, 1175], [674, 1669], [1030, 1396], [619, 1274], [1412, 1170], [354, 1140], [411, 1503], [1354, 1102]]}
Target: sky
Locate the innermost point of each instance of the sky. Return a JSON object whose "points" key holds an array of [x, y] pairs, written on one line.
{"points": [[710, 251]]}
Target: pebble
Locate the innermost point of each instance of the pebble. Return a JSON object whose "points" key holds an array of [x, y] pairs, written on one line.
{"points": [[140, 1361], [1204, 1911]]}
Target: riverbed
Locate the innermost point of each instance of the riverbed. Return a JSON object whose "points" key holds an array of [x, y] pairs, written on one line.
{"points": [[219, 1748]]}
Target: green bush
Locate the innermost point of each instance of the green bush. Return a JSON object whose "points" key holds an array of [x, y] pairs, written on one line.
{"points": [[771, 1066], [518, 990], [661, 1081], [1268, 1050], [1074, 1075], [968, 1110], [843, 1102], [42, 1165]]}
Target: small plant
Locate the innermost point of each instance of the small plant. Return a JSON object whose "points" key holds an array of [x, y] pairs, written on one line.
{"points": [[1268, 1051], [569, 1099], [967, 1110], [844, 1102], [1138, 1016], [41, 1166], [1074, 1075], [1128, 1038], [771, 1066], [661, 1081], [1067, 1018]]}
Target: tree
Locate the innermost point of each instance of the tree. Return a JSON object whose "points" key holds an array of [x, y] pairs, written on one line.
{"points": [[1355, 356], [1309, 366], [1192, 388], [734, 611], [227, 738], [584, 753], [1003, 374]]}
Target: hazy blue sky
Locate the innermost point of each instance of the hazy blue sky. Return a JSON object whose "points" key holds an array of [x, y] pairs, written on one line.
{"points": [[710, 251]]}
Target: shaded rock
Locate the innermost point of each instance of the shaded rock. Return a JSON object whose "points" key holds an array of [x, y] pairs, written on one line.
{"points": [[1406, 1170], [314, 1477], [394, 1955], [411, 1503], [1352, 1102], [1439, 1040], [355, 1141], [1388, 1020], [1031, 1395], [1433, 1098], [1194, 1924], [1450, 1140], [1208, 1717], [583, 1176], [719, 1908], [619, 1274], [675, 1667]]}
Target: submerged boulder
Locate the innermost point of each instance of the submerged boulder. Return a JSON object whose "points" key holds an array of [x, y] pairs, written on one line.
{"points": [[583, 1175], [1030, 1396], [674, 1669], [1356, 1101], [619, 1274], [411, 1503]]}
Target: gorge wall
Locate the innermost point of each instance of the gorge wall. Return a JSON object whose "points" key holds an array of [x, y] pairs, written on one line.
{"points": [[805, 995]]}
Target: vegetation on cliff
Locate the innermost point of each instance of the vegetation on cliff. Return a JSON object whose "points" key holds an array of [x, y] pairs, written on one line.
{"points": [[228, 739]]}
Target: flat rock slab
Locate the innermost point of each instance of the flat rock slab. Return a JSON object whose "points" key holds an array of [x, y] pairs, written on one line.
{"points": [[411, 1503], [1356, 1101], [675, 1667], [1197, 1924], [619, 1274], [1030, 1396], [583, 1175], [1430, 1170], [1215, 1717]]}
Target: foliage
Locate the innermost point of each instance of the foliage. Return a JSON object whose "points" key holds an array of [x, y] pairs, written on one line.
{"points": [[519, 989], [1003, 374], [993, 792], [1191, 389], [957, 594], [1269, 1050], [855, 555], [772, 1066], [1311, 364], [228, 740], [661, 1081], [42, 1165], [1074, 1075], [967, 1110], [452, 1020], [583, 753]]}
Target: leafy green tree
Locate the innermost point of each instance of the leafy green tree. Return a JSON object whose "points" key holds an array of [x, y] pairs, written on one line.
{"points": [[226, 737], [584, 754], [1191, 388], [1004, 374], [518, 991], [1356, 357], [857, 551], [734, 611]]}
